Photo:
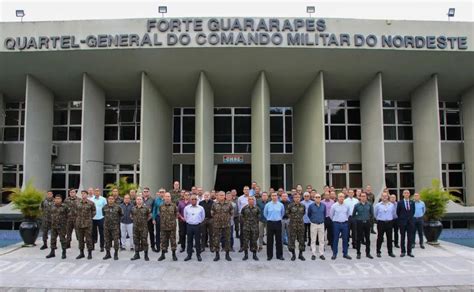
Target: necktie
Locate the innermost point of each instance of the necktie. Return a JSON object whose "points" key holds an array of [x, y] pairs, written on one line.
{"points": [[408, 205]]}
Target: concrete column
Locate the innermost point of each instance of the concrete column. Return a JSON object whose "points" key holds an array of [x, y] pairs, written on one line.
{"points": [[204, 154], [372, 147], [92, 134], [156, 153], [261, 132], [38, 134], [468, 125], [309, 142], [426, 136]]}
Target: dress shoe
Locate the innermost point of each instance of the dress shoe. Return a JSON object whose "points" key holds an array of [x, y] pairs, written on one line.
{"points": [[402, 255], [101, 249], [411, 255], [347, 257], [181, 250], [333, 257], [187, 258], [391, 255], [322, 257], [122, 248], [269, 258], [397, 246], [281, 258], [422, 246], [199, 258], [358, 256], [241, 250], [379, 255], [369, 256], [313, 257]]}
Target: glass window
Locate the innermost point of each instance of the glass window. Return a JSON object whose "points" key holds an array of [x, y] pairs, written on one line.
{"points": [[399, 176], [14, 120], [122, 120], [451, 128], [242, 129], [342, 120], [67, 114], [222, 129], [281, 130], [397, 121]]}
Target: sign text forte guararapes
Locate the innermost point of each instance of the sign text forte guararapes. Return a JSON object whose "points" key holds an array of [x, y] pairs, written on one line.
{"points": [[225, 32]]}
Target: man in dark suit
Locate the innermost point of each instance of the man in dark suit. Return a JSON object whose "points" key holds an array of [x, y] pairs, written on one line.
{"points": [[405, 213]]}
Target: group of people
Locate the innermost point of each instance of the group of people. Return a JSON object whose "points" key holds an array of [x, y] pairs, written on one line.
{"points": [[209, 219]]}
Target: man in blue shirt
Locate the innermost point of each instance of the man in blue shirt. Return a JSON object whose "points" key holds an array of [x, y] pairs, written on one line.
{"points": [[98, 220], [155, 216], [340, 213], [317, 215], [420, 210], [384, 213], [274, 212]]}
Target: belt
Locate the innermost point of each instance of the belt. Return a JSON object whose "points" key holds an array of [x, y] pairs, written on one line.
{"points": [[194, 224], [317, 223], [384, 221], [340, 222], [363, 221]]}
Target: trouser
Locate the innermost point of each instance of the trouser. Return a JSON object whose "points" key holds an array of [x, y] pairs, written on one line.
{"points": [[307, 233], [250, 237], [151, 232], [297, 232], [231, 238], [237, 226], [206, 232], [193, 232], [111, 234], [406, 231], [217, 234], [126, 229], [384, 227], [317, 234], [353, 230], [168, 237], [362, 234], [418, 229], [157, 232], [98, 224], [274, 236], [140, 237], [395, 231], [61, 232], [182, 234], [84, 234], [340, 228], [45, 228], [284, 230], [262, 226], [329, 234], [69, 228]]}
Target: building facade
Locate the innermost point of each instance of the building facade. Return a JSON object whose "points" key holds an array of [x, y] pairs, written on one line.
{"points": [[219, 103]]}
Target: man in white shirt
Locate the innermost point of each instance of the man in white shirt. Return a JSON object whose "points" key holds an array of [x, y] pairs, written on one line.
{"points": [[193, 215], [351, 202]]}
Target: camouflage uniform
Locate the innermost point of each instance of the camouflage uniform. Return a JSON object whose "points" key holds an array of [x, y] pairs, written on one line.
{"points": [[46, 219], [295, 213], [112, 214], [85, 213], [221, 216], [71, 203], [168, 213], [250, 219], [58, 225], [140, 217], [175, 196]]}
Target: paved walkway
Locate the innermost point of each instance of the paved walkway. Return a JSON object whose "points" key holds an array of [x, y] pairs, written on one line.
{"points": [[447, 267]]}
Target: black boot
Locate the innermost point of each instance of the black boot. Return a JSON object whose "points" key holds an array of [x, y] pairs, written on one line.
{"points": [[246, 256], [227, 256], [64, 254], [217, 257], [162, 257], [89, 254], [146, 256], [255, 258], [51, 254], [301, 257], [116, 255], [44, 246], [293, 257], [81, 254], [175, 258], [136, 256], [107, 255]]}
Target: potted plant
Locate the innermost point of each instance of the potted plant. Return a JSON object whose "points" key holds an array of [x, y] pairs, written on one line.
{"points": [[123, 186], [436, 200], [28, 201]]}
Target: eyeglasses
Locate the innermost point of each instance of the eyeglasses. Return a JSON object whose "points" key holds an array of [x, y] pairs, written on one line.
{"points": [[161, 191], [193, 199]]}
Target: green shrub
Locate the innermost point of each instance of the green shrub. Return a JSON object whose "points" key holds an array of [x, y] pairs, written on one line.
{"points": [[436, 200], [28, 201]]}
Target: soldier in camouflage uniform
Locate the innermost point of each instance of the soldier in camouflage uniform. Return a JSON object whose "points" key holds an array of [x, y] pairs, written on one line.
{"points": [[175, 193], [59, 212], [250, 218], [117, 198], [168, 216], [295, 213], [46, 218], [222, 212], [85, 213], [71, 203], [140, 215], [112, 214]]}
